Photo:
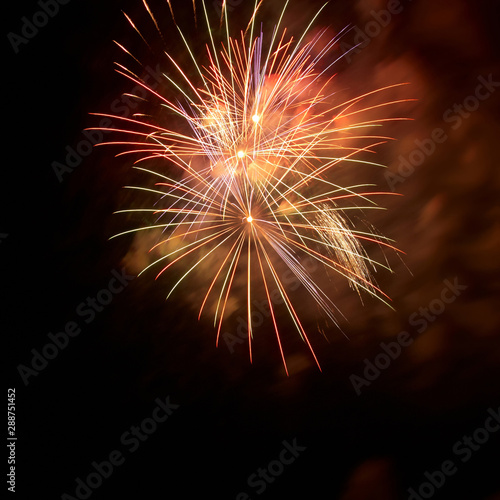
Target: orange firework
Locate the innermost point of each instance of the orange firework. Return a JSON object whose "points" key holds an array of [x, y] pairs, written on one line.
{"points": [[255, 167]]}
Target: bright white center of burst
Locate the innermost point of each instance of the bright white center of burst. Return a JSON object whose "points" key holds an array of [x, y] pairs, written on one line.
{"points": [[249, 218], [240, 154], [255, 118]]}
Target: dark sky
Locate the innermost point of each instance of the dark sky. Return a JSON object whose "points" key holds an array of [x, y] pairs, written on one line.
{"points": [[234, 417]]}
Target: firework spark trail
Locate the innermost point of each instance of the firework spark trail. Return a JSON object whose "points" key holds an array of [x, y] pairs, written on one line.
{"points": [[253, 186]]}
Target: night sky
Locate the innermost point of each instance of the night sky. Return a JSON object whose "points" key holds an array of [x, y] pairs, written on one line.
{"points": [[127, 359]]}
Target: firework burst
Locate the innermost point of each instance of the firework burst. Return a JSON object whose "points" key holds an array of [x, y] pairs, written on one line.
{"points": [[249, 181]]}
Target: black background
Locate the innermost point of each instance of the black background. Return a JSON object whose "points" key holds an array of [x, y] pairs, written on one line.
{"points": [[233, 415]]}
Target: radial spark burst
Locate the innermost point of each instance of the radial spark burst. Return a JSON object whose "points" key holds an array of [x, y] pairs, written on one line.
{"points": [[249, 181]]}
